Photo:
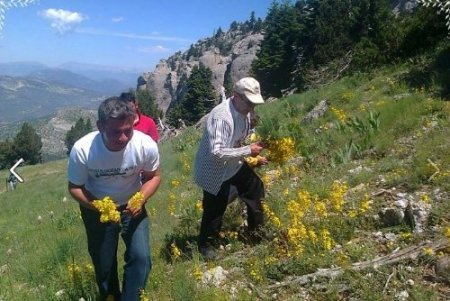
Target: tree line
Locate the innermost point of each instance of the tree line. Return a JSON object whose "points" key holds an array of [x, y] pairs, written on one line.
{"points": [[304, 37]]}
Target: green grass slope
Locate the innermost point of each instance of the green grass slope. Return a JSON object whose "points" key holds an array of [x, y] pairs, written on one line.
{"points": [[379, 145]]}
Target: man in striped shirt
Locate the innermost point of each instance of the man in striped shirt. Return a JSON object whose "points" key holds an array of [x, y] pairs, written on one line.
{"points": [[220, 162]]}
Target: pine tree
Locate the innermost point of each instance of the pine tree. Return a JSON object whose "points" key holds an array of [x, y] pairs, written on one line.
{"points": [[28, 144], [277, 57], [147, 104], [77, 131], [198, 100], [7, 155]]}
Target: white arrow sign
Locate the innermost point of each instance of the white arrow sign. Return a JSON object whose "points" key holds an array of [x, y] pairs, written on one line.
{"points": [[14, 167]]}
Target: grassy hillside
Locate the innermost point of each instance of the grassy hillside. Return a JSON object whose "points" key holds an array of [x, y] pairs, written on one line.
{"points": [[379, 146]]}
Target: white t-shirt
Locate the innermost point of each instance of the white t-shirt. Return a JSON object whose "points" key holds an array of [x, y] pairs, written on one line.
{"points": [[112, 173]]}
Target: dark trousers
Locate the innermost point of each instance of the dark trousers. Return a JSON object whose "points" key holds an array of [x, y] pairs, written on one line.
{"points": [[250, 190], [103, 241]]}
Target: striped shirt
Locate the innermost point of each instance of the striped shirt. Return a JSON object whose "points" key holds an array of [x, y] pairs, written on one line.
{"points": [[220, 154]]}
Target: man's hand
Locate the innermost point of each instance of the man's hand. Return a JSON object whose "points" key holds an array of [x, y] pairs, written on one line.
{"points": [[133, 211], [262, 160], [256, 148]]}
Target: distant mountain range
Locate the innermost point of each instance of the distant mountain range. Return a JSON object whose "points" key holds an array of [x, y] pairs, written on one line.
{"points": [[124, 77], [30, 90]]}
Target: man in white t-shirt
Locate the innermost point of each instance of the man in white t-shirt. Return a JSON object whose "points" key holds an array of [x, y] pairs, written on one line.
{"points": [[110, 162]]}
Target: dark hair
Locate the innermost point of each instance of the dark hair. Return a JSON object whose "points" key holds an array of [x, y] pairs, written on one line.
{"points": [[128, 96], [114, 107]]}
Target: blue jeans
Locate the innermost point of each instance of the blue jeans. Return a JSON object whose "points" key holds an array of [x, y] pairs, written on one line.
{"points": [[103, 239]]}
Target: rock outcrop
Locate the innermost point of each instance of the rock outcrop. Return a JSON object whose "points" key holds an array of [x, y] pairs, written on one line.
{"points": [[167, 82]]}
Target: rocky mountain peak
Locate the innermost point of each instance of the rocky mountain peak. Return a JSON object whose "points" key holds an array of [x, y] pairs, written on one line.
{"points": [[227, 53]]}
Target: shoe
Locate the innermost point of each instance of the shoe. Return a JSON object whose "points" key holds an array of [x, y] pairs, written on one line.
{"points": [[208, 253]]}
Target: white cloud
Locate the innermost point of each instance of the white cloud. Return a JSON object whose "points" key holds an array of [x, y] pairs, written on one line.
{"points": [[155, 49], [117, 19], [62, 21]]}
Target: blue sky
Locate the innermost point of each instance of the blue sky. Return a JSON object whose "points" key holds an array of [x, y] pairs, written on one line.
{"points": [[123, 33]]}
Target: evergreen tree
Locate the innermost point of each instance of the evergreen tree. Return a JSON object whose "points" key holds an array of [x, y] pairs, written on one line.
{"points": [[7, 154], [228, 83], [147, 104], [331, 30], [28, 144], [198, 100], [277, 57], [376, 33], [77, 131]]}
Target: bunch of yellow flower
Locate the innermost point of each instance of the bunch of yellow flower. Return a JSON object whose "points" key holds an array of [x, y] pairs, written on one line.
{"points": [[296, 211], [174, 250], [297, 233], [175, 183], [171, 206], [338, 191], [340, 114], [304, 200], [320, 209], [108, 210], [447, 232], [280, 150], [199, 206], [271, 215], [365, 204], [136, 200], [312, 236], [197, 273], [253, 161], [74, 271], [327, 240], [143, 295]]}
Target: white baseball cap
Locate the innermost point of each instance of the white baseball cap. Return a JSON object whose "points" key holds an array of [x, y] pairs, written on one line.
{"points": [[249, 87]]}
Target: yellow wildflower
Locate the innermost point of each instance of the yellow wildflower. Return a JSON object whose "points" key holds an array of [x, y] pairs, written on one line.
{"points": [[425, 198], [447, 232], [253, 161], [108, 210], [321, 209], [175, 183], [338, 191], [143, 296], [74, 271], [428, 251], [352, 213], [304, 200], [175, 251], [271, 215], [199, 206], [340, 114], [365, 204], [89, 268], [197, 273], [327, 241], [171, 209], [312, 236], [136, 200], [280, 150]]}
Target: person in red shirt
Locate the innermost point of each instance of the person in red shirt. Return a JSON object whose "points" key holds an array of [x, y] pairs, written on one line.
{"points": [[142, 123]]}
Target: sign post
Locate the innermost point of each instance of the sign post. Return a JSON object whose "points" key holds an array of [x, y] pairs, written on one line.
{"points": [[12, 170]]}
